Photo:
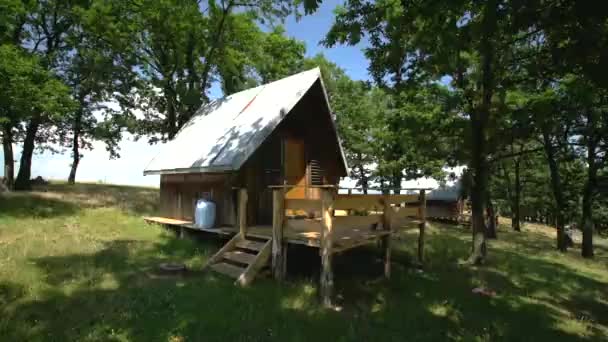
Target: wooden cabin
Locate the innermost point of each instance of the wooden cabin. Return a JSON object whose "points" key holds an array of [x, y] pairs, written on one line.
{"points": [[297, 145], [270, 159], [445, 204]]}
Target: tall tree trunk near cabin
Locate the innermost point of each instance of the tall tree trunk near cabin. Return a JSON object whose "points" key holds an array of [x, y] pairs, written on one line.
{"points": [[213, 46], [587, 206], [363, 179], [9, 157], [172, 124], [396, 183], [516, 209], [478, 190], [479, 121], [556, 188], [25, 164], [75, 149]]}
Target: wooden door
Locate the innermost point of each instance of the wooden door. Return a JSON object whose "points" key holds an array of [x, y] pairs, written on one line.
{"points": [[270, 166], [295, 167]]}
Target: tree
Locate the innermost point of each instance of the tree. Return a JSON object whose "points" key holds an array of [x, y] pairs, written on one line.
{"points": [[331, 73], [578, 42], [591, 128], [280, 56], [98, 70], [357, 109], [431, 40], [184, 47], [27, 90], [47, 24]]}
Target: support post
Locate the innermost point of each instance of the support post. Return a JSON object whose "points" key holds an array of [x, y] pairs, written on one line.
{"points": [[327, 279], [386, 240], [243, 212], [421, 226], [279, 250]]}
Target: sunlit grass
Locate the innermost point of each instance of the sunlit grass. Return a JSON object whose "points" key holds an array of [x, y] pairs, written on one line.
{"points": [[76, 263]]}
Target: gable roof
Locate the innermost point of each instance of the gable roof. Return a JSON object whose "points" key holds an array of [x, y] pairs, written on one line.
{"points": [[223, 134]]}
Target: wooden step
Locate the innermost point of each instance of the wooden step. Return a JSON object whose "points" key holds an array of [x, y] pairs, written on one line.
{"points": [[250, 245], [240, 257], [228, 269]]}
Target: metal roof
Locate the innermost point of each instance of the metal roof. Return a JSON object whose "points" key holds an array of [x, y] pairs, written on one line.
{"points": [[222, 135], [446, 193]]}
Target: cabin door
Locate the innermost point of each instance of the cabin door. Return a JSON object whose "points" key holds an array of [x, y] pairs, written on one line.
{"points": [[294, 157], [271, 175]]}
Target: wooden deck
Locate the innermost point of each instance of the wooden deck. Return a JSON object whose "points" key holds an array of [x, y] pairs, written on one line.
{"points": [[297, 231], [340, 222]]}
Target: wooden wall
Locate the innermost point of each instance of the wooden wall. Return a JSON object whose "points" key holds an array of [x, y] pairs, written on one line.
{"points": [[443, 209], [309, 135], [179, 193]]}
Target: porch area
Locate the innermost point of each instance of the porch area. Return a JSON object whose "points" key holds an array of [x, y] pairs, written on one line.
{"points": [[334, 223]]}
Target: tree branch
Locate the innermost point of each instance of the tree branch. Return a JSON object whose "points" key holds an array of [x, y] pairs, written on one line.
{"points": [[515, 154]]}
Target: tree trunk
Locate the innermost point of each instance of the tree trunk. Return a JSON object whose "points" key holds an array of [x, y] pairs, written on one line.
{"points": [[516, 210], [587, 210], [396, 183], [171, 114], [9, 157], [478, 189], [75, 151], [491, 218], [25, 164], [587, 222], [479, 121], [75, 159], [556, 187], [363, 179]]}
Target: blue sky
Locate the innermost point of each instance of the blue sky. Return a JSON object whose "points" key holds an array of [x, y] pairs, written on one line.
{"points": [[95, 166], [311, 29]]}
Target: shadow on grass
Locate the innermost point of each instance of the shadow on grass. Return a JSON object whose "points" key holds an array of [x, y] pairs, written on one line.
{"points": [[35, 206], [108, 295], [62, 199]]}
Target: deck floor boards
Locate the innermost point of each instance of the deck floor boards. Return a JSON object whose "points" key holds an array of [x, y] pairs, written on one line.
{"points": [[308, 235]]}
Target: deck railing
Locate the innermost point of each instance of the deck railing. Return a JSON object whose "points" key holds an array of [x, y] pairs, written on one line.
{"points": [[380, 212]]}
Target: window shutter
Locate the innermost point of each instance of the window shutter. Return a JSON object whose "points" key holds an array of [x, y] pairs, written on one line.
{"points": [[316, 172]]}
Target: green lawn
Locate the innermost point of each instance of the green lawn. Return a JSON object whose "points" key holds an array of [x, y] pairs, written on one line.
{"points": [[75, 264]]}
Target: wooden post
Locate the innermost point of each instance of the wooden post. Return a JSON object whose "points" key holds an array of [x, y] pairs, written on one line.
{"points": [[179, 213], [327, 278], [279, 252], [421, 226], [386, 240], [243, 212]]}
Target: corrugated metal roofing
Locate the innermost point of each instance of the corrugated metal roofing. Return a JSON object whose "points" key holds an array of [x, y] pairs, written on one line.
{"points": [[223, 134]]}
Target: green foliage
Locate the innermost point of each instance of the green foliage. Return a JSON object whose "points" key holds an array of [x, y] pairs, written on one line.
{"points": [[330, 72], [357, 109], [280, 56], [183, 48], [27, 89], [509, 65]]}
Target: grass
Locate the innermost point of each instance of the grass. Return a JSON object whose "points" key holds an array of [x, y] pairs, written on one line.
{"points": [[75, 264]]}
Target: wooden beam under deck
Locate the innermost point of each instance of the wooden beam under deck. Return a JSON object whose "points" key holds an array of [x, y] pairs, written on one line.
{"points": [[306, 232]]}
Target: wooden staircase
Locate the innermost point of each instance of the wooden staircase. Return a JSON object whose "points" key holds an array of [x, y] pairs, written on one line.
{"points": [[242, 258]]}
